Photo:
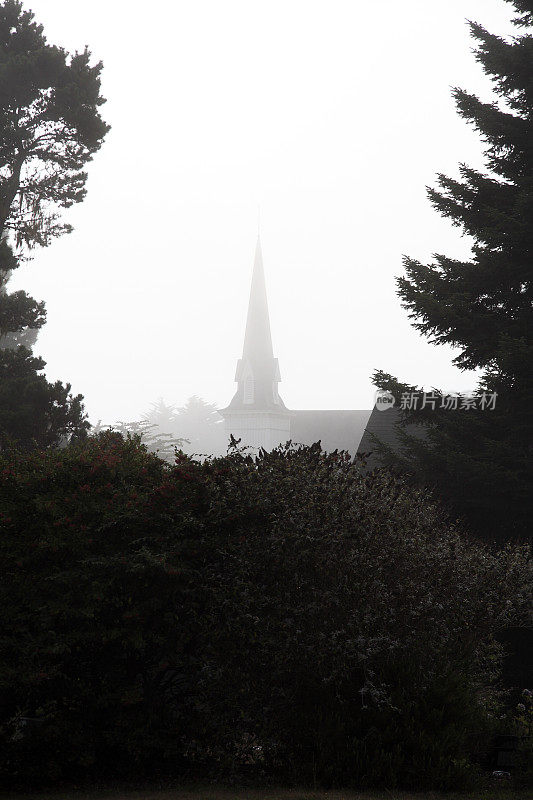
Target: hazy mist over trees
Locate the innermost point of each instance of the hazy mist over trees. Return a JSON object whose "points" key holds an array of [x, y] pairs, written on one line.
{"points": [[196, 428]]}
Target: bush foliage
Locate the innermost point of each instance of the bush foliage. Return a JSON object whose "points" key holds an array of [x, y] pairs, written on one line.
{"points": [[287, 616]]}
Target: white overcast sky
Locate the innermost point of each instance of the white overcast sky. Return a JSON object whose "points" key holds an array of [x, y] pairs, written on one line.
{"points": [[333, 115]]}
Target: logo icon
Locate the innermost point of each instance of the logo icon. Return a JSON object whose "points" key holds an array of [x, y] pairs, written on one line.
{"points": [[384, 400]]}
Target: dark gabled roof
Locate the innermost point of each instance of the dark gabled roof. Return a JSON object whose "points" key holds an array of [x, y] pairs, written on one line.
{"points": [[336, 430], [382, 425]]}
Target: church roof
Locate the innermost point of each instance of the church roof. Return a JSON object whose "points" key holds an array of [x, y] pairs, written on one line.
{"points": [[382, 425]]}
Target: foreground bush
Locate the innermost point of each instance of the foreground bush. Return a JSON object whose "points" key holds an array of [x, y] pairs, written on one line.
{"points": [[286, 616]]}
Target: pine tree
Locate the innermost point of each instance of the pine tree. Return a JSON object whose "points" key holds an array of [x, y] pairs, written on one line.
{"points": [[50, 128], [478, 459], [36, 414], [33, 412]]}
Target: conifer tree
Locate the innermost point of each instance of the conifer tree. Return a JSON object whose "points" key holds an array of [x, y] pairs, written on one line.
{"points": [[50, 128], [479, 459], [36, 414]]}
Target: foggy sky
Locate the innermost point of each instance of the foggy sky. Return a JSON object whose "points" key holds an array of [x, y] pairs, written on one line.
{"points": [[333, 116]]}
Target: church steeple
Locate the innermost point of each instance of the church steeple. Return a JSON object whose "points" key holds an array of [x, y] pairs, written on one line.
{"points": [[257, 373], [257, 338], [257, 415]]}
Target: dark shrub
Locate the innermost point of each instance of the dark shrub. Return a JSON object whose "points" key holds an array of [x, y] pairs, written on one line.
{"points": [[287, 616]]}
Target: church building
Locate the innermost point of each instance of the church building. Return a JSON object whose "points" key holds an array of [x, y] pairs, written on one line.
{"points": [[257, 415]]}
